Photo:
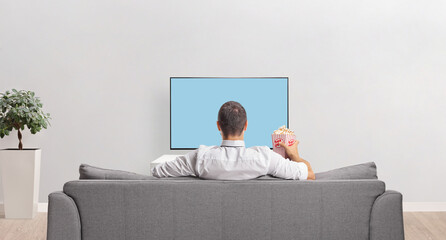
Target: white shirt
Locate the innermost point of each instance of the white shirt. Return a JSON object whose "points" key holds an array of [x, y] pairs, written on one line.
{"points": [[231, 161]]}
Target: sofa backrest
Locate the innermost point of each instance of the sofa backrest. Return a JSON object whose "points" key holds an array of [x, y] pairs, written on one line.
{"points": [[207, 209]]}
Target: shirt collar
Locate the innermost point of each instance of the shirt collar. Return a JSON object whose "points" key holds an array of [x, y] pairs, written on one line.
{"points": [[233, 143]]}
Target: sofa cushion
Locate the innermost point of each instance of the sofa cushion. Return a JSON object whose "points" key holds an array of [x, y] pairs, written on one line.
{"points": [[90, 172], [360, 171]]}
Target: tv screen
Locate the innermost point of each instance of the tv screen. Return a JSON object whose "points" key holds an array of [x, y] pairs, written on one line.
{"points": [[195, 101]]}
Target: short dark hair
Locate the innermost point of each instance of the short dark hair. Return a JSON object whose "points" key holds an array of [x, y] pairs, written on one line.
{"points": [[232, 118]]}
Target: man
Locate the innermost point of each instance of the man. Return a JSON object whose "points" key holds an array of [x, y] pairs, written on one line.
{"points": [[231, 160]]}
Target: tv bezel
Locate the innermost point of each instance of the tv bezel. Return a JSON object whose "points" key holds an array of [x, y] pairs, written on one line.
{"points": [[170, 103]]}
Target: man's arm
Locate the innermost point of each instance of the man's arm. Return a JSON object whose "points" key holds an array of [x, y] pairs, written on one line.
{"points": [[181, 166], [293, 154], [286, 169]]}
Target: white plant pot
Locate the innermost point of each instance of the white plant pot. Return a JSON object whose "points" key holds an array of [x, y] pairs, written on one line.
{"points": [[20, 170]]}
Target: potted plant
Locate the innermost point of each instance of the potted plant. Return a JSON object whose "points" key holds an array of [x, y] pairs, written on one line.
{"points": [[20, 168]]}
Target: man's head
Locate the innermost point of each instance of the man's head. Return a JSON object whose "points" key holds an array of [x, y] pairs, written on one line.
{"points": [[232, 120]]}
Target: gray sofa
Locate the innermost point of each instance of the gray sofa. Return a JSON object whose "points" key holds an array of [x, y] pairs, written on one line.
{"points": [[194, 209]]}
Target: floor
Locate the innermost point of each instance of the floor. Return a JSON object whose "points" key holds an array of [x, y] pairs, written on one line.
{"points": [[425, 225], [21, 229], [417, 226]]}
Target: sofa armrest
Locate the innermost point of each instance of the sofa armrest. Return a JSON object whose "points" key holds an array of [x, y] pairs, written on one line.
{"points": [[386, 219], [63, 218]]}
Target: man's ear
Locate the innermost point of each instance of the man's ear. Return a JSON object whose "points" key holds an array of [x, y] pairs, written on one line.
{"points": [[246, 125], [218, 126]]}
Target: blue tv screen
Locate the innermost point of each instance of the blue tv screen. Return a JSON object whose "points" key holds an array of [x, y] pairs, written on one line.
{"points": [[195, 102]]}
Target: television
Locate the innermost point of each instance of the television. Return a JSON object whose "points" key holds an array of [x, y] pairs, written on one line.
{"points": [[195, 102]]}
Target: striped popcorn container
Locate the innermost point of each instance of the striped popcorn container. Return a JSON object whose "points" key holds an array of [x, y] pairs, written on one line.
{"points": [[289, 139]]}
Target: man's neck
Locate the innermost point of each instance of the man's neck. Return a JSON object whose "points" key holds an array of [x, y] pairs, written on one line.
{"points": [[234, 138]]}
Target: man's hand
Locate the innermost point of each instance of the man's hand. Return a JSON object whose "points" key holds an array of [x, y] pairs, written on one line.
{"points": [[293, 154], [291, 151]]}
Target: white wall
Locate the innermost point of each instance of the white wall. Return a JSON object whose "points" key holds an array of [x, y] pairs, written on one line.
{"points": [[367, 78]]}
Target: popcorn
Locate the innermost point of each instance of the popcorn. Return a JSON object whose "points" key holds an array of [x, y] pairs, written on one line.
{"points": [[284, 135], [283, 130]]}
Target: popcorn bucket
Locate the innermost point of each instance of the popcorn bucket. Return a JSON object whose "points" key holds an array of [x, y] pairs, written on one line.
{"points": [[289, 139]]}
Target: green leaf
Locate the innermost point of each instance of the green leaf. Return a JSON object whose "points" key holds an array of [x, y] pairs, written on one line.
{"points": [[20, 109]]}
